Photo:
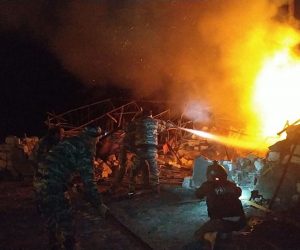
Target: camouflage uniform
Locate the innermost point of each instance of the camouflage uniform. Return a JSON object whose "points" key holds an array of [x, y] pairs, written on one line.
{"points": [[38, 155], [145, 144], [127, 146], [41, 150], [72, 155]]}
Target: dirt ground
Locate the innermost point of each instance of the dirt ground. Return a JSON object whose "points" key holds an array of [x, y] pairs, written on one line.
{"points": [[21, 227], [146, 221], [165, 221]]}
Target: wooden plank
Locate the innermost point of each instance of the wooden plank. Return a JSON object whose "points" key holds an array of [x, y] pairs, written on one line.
{"points": [[253, 204]]}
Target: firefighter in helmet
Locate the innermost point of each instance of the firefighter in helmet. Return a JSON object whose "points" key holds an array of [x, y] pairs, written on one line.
{"points": [[216, 171], [224, 208]]}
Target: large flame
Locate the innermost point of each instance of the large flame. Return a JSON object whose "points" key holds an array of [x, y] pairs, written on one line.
{"points": [[277, 92], [273, 90]]}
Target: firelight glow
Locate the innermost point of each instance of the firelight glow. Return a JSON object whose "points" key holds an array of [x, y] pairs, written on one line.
{"points": [[277, 92], [276, 95]]}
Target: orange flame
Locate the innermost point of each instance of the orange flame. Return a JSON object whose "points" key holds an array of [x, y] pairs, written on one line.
{"points": [[277, 87], [277, 92]]}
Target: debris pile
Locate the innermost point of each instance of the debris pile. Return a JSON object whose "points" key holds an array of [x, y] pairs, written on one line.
{"points": [[14, 156], [182, 156], [280, 176]]}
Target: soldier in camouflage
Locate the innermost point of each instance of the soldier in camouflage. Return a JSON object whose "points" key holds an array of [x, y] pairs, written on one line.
{"points": [[39, 153], [145, 139], [41, 149], [127, 146], [74, 154]]}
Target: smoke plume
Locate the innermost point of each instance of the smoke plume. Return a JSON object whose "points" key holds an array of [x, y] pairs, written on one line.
{"points": [[174, 50]]}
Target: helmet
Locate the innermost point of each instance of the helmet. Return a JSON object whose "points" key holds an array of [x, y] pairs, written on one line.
{"points": [[92, 131], [216, 172]]}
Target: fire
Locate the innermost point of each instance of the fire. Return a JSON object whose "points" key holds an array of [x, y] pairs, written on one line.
{"points": [[275, 98], [277, 88]]}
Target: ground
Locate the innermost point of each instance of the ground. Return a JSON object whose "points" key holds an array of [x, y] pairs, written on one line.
{"points": [[21, 227], [146, 221]]}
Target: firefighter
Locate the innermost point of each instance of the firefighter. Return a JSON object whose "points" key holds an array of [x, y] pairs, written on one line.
{"points": [[145, 139], [224, 208], [74, 154]]}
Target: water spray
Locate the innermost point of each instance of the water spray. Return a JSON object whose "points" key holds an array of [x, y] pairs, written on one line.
{"points": [[245, 142]]}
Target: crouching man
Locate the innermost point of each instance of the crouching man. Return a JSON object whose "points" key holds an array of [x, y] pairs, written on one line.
{"points": [[224, 208], [72, 155]]}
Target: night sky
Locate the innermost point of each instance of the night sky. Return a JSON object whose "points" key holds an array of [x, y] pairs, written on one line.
{"points": [[57, 55], [33, 82]]}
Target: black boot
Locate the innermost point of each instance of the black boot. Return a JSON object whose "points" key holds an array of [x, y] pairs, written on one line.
{"points": [[69, 244], [53, 241]]}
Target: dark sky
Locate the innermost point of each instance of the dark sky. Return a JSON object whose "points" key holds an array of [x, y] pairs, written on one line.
{"points": [[32, 82], [60, 54]]}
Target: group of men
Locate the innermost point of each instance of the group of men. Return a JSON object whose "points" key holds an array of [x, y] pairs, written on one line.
{"points": [[56, 159]]}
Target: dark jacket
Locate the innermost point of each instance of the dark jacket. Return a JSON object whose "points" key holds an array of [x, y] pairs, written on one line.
{"points": [[222, 198]]}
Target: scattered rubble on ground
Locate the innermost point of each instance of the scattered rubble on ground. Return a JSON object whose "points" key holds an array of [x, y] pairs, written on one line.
{"points": [[14, 154]]}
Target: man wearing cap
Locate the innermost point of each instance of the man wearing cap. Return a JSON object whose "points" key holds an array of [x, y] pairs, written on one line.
{"points": [[72, 155]]}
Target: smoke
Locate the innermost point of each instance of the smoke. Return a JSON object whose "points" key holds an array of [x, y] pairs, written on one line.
{"points": [[173, 50], [39, 17]]}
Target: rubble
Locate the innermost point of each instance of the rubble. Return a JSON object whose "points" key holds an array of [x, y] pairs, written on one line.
{"points": [[280, 176], [183, 160], [179, 151], [14, 156]]}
